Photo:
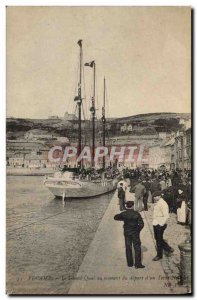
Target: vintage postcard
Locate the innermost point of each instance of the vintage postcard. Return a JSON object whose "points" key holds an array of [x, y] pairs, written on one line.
{"points": [[99, 155]]}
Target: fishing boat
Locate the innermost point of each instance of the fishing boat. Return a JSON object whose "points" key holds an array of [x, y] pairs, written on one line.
{"points": [[71, 183]]}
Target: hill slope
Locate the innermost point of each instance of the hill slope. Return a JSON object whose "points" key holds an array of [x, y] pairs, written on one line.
{"points": [[153, 121]]}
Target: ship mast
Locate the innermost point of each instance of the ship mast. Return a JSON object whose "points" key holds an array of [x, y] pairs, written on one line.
{"points": [[93, 108], [78, 98], [103, 121]]}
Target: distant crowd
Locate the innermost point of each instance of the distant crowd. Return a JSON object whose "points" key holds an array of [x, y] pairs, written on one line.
{"points": [[93, 174], [174, 186]]}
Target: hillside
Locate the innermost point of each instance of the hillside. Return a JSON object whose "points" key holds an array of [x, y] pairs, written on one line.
{"points": [[151, 117], [147, 123]]}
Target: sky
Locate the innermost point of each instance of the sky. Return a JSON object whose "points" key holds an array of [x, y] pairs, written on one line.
{"points": [[144, 53]]}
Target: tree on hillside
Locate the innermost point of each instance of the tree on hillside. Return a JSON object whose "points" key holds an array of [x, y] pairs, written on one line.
{"points": [[170, 124]]}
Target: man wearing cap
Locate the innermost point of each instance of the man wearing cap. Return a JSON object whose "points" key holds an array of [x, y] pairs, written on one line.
{"points": [[133, 224], [160, 217]]}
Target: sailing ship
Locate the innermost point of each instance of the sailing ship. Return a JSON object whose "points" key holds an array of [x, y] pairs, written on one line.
{"points": [[71, 183]]}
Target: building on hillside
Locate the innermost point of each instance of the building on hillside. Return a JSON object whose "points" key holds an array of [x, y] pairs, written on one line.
{"points": [[62, 140], [181, 121], [162, 135], [126, 128], [108, 126], [69, 117], [83, 126], [63, 125], [123, 128], [129, 128], [186, 122], [53, 118], [36, 134]]}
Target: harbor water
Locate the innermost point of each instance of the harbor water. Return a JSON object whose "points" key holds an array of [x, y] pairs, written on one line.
{"points": [[46, 240]]}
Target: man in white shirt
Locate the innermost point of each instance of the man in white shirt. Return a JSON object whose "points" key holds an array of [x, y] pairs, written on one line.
{"points": [[123, 183], [160, 217]]}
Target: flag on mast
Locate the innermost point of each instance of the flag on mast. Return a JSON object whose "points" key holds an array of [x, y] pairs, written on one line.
{"points": [[90, 64], [79, 42]]}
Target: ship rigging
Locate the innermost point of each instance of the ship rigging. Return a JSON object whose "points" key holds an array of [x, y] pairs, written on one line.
{"points": [[79, 182]]}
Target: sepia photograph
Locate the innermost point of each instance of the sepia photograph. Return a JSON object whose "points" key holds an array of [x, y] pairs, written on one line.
{"points": [[99, 150]]}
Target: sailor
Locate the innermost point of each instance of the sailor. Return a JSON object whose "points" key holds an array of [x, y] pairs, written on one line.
{"points": [[133, 224]]}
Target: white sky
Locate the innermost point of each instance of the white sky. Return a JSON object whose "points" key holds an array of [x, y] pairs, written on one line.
{"points": [[143, 52]]}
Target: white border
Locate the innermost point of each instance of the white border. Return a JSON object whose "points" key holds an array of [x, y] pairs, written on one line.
{"points": [[4, 3], [98, 3]]}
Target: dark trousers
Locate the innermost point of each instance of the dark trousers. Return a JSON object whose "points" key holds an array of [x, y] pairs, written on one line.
{"points": [[161, 244], [122, 203], [145, 201], [152, 192], [135, 241]]}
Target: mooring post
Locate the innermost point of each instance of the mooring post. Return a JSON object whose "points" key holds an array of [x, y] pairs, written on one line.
{"points": [[185, 262], [63, 196]]}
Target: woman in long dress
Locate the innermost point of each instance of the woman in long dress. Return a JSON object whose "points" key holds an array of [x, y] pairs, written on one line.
{"points": [[181, 207]]}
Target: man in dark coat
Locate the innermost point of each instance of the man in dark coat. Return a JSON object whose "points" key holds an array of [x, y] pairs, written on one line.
{"points": [[121, 197], [133, 224], [139, 190], [147, 185]]}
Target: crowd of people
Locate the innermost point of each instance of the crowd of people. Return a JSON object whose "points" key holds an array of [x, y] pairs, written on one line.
{"points": [[175, 187], [170, 191], [98, 174], [93, 174]]}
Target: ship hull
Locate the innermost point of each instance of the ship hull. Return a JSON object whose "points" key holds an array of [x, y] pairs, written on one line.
{"points": [[81, 189]]}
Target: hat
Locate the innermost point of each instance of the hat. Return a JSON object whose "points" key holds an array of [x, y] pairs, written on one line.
{"points": [[156, 194], [181, 187], [129, 204]]}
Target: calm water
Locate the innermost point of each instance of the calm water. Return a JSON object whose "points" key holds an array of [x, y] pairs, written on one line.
{"points": [[46, 241]]}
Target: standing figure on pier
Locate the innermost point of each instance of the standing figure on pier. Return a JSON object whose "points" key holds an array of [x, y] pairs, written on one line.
{"points": [[123, 183], [139, 190], [121, 197], [133, 224], [160, 217], [147, 184]]}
